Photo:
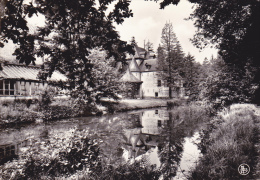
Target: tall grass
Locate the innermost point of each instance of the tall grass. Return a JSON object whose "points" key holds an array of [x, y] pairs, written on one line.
{"points": [[227, 143], [13, 112]]}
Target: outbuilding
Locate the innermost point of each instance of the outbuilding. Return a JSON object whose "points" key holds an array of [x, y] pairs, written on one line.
{"points": [[18, 80]]}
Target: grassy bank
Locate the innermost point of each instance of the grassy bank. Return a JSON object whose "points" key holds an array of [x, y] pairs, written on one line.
{"points": [[229, 141], [27, 111], [133, 104], [79, 154]]}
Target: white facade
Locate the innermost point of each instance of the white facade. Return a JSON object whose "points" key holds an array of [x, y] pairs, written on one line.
{"points": [[152, 85], [143, 70], [153, 120]]}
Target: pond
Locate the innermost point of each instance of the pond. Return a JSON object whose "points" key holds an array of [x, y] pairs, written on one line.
{"points": [[161, 138]]}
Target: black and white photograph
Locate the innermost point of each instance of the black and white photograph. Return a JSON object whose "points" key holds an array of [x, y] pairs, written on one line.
{"points": [[129, 89]]}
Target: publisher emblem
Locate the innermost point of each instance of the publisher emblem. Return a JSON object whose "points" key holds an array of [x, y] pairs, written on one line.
{"points": [[243, 169]]}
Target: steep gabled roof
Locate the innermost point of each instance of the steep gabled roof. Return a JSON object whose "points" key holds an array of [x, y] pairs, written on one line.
{"points": [[133, 66], [14, 71], [149, 65], [129, 77], [140, 52]]}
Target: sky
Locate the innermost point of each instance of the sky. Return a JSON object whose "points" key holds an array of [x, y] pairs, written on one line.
{"points": [[148, 21], [146, 25]]}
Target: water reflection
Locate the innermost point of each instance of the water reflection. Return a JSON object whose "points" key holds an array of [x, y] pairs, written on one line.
{"points": [[157, 137]]}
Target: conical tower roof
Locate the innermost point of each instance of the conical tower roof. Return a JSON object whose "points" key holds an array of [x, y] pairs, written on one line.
{"points": [[129, 77], [133, 66]]}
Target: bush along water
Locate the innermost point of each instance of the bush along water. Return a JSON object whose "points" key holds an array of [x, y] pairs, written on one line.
{"points": [[227, 143], [73, 154], [44, 108], [54, 157]]}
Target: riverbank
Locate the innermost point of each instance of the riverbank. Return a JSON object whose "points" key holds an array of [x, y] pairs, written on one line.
{"points": [[230, 140], [28, 111], [134, 104], [98, 147]]}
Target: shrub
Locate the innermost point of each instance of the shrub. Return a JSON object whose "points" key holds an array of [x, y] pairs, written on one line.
{"points": [[57, 156], [16, 112], [227, 143]]}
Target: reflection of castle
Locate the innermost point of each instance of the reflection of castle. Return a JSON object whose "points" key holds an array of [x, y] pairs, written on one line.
{"points": [[152, 120], [139, 140]]}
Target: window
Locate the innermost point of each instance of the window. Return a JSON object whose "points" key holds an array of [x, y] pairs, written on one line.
{"points": [[1, 87], [156, 111], [159, 83], [156, 94], [22, 88], [159, 123], [12, 87], [22, 85], [2, 153], [36, 88], [147, 66], [6, 87]]}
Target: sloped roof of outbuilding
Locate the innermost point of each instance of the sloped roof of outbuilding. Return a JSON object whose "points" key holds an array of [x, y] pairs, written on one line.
{"points": [[129, 77], [14, 71]]}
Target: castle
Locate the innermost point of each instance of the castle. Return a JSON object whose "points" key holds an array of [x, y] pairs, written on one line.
{"points": [[143, 72]]}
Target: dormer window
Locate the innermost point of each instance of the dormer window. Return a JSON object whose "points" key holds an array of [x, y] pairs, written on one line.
{"points": [[147, 66]]}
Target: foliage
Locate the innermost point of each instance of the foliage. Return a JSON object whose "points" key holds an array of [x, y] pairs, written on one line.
{"points": [[227, 143], [104, 80], [57, 113], [225, 85], [175, 67], [31, 110], [170, 58], [128, 171], [54, 157], [59, 153], [233, 27], [16, 112], [129, 90], [183, 122], [71, 154], [46, 98], [105, 76], [192, 77], [72, 29]]}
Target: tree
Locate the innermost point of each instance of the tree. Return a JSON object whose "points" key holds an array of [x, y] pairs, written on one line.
{"points": [[192, 77], [72, 30], [133, 41], [149, 46], [233, 27], [170, 57]]}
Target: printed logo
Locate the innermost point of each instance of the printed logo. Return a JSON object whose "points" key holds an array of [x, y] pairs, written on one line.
{"points": [[243, 169]]}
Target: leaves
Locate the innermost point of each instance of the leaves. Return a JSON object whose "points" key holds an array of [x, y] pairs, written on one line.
{"points": [[72, 29]]}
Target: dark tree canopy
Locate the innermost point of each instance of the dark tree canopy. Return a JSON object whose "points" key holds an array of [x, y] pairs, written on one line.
{"points": [[232, 26], [80, 24], [72, 29]]}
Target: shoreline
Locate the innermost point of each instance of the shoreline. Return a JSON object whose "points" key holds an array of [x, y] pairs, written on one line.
{"points": [[20, 113], [231, 139]]}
